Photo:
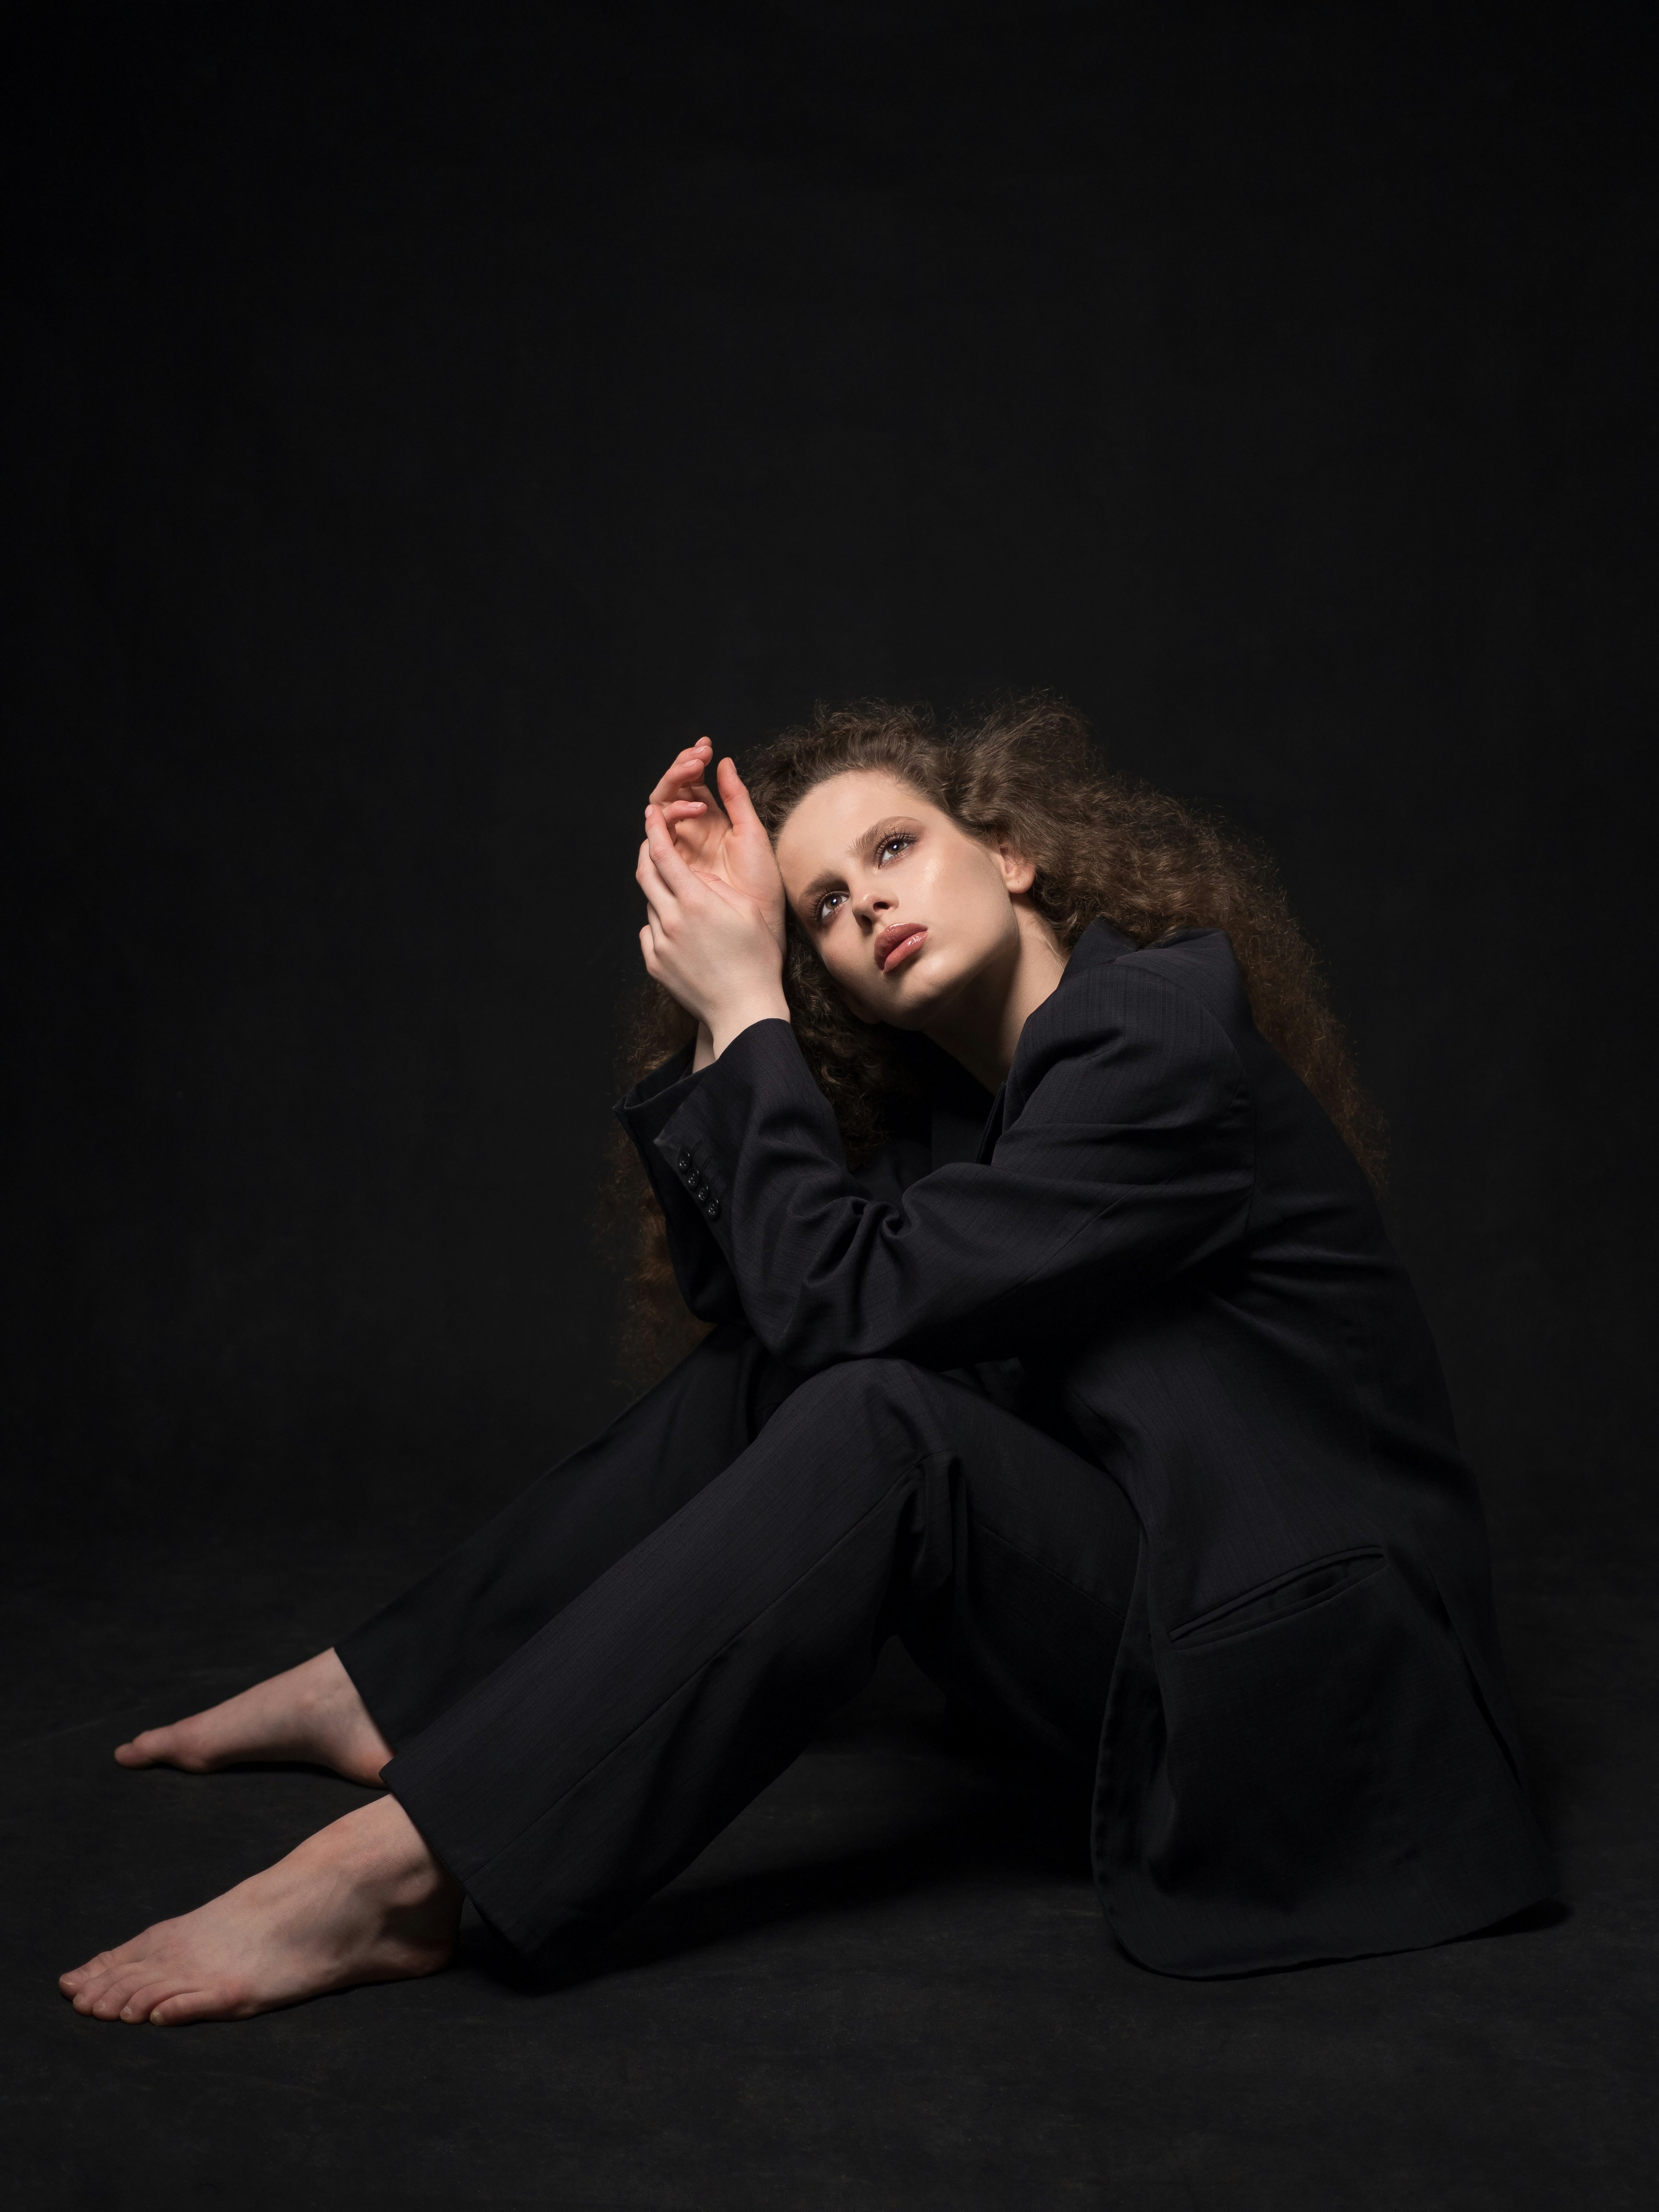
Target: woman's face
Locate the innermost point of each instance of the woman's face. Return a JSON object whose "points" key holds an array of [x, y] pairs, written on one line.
{"points": [[906, 909]]}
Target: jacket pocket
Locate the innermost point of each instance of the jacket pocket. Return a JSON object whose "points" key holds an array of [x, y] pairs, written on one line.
{"points": [[1285, 1595]]}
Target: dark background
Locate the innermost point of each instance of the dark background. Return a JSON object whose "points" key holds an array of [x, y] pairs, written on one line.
{"points": [[423, 418]]}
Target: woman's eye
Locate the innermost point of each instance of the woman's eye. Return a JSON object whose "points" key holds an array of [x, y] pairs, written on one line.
{"points": [[896, 843], [828, 905]]}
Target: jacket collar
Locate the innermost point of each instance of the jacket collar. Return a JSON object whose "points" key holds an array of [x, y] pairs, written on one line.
{"points": [[1101, 943]]}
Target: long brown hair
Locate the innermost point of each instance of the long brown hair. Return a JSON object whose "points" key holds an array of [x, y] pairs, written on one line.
{"points": [[1102, 846]]}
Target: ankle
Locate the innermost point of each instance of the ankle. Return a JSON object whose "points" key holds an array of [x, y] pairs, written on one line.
{"points": [[319, 1681], [386, 1851]]}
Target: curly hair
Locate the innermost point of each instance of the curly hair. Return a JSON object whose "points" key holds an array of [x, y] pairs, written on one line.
{"points": [[1103, 846]]}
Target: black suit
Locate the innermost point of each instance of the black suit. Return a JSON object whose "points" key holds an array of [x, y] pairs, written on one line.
{"points": [[1170, 1270]]}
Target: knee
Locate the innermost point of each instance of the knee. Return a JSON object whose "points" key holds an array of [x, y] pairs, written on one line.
{"points": [[860, 1384], [847, 1436]]}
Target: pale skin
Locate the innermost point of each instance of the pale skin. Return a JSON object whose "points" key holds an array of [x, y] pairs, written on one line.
{"points": [[922, 926]]}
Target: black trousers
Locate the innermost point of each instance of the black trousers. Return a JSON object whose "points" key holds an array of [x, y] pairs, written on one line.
{"points": [[589, 1690]]}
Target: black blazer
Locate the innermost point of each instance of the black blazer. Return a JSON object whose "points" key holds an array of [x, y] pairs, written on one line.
{"points": [[1307, 1750]]}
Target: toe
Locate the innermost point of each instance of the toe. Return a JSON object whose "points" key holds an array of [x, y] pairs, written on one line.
{"points": [[149, 1994], [78, 1977], [114, 1998], [157, 1747], [101, 1986], [180, 2007], [102, 1998]]}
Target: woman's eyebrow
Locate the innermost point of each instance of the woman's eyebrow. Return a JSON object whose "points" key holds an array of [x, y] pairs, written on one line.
{"points": [[878, 834], [819, 889]]}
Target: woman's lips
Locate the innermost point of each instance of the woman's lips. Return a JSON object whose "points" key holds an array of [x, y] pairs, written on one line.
{"points": [[895, 945]]}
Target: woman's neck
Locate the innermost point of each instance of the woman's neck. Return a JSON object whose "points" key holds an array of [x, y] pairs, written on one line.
{"points": [[982, 1025]]}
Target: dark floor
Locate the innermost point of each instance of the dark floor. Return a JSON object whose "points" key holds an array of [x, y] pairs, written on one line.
{"points": [[887, 1986]]}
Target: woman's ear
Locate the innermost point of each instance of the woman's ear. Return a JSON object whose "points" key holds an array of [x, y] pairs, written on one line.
{"points": [[1017, 872]]}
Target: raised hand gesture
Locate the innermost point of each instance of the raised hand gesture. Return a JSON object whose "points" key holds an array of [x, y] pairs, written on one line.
{"points": [[715, 934], [721, 837]]}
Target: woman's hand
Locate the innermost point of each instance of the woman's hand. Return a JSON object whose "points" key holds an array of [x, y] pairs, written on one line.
{"points": [[715, 936], [733, 845]]}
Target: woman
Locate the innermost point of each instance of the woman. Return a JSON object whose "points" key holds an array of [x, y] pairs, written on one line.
{"points": [[1093, 1378]]}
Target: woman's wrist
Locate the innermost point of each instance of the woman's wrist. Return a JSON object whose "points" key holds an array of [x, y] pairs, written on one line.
{"points": [[730, 1022]]}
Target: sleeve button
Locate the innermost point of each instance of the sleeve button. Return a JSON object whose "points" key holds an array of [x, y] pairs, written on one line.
{"points": [[713, 1209]]}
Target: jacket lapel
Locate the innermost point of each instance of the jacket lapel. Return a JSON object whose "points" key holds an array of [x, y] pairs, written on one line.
{"points": [[992, 1129], [957, 1112], [1099, 944]]}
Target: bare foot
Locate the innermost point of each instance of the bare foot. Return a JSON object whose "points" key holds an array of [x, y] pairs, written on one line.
{"points": [[312, 1713], [362, 1900]]}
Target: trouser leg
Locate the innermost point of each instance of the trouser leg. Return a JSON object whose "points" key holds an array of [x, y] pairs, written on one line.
{"points": [[599, 1757], [493, 1594]]}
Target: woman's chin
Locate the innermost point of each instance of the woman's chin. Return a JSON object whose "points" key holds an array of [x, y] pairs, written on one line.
{"points": [[912, 1009], [907, 1000], [896, 1014]]}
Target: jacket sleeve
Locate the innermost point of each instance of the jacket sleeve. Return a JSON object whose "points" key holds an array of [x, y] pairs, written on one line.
{"points": [[700, 1267], [1125, 1157]]}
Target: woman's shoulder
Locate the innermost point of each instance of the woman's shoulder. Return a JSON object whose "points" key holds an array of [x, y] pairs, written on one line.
{"points": [[1111, 984], [1169, 1018]]}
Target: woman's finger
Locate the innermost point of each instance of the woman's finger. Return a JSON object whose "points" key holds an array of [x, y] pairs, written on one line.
{"points": [[662, 902], [734, 797], [676, 875], [654, 930], [657, 896], [685, 766], [672, 783], [690, 759]]}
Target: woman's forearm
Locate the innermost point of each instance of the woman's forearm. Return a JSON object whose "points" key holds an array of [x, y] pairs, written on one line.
{"points": [[729, 1022], [1128, 1160]]}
